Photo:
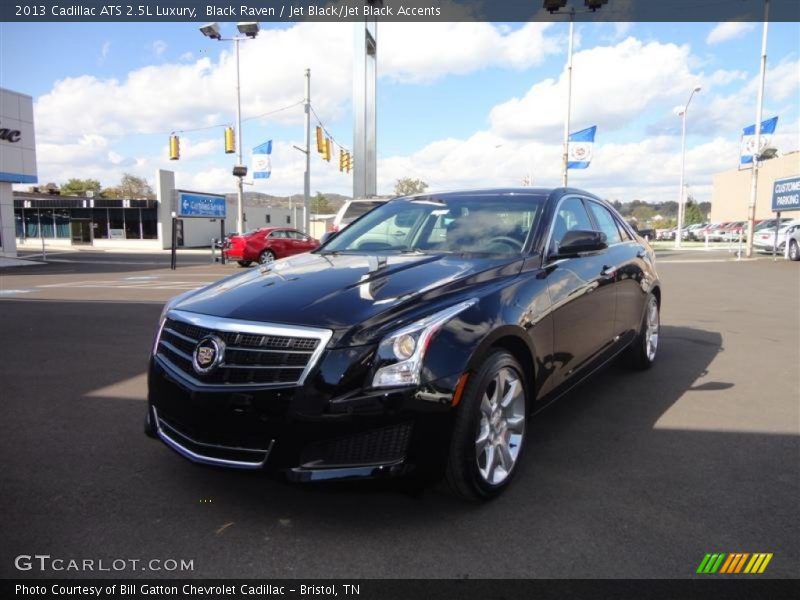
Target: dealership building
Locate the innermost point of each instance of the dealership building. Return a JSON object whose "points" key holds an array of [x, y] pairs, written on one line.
{"points": [[730, 195]]}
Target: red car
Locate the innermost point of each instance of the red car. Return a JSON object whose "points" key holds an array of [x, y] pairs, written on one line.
{"points": [[268, 244]]}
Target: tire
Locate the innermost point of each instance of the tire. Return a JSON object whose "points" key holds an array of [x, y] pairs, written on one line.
{"points": [[266, 257], [481, 474], [794, 250], [244, 263], [644, 349]]}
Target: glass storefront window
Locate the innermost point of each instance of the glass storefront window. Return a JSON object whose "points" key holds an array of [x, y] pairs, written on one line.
{"points": [[18, 223], [132, 224], [46, 223], [116, 223], [150, 223], [31, 222], [62, 222], [100, 219]]}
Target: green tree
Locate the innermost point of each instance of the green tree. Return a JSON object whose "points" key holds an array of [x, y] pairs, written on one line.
{"points": [[79, 187], [132, 187], [408, 186], [693, 214], [319, 204]]}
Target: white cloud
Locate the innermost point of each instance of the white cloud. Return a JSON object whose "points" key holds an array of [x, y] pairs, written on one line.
{"points": [[729, 30], [440, 49], [611, 86], [159, 47]]}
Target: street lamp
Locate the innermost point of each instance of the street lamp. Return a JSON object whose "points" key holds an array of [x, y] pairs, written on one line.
{"points": [[248, 30], [681, 194]]}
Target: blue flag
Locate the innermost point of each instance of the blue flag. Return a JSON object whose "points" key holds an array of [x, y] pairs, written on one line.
{"points": [[748, 147], [262, 161], [580, 148]]}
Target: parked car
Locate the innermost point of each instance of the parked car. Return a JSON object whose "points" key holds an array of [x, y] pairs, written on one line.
{"points": [[666, 234], [266, 245], [715, 233], [352, 210], [647, 233], [690, 232], [764, 240], [427, 351]]}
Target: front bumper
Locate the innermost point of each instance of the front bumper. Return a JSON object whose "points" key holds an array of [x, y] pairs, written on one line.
{"points": [[301, 432]]}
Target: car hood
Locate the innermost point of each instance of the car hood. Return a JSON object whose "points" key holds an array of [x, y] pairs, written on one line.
{"points": [[340, 292]]}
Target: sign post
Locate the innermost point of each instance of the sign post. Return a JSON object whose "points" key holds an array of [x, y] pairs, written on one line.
{"points": [[785, 196], [197, 205]]}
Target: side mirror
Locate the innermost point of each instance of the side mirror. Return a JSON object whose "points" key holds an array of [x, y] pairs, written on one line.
{"points": [[579, 241]]}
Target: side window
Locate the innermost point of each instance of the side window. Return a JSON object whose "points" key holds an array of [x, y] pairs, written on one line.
{"points": [[278, 235], [606, 223], [626, 237], [571, 215]]}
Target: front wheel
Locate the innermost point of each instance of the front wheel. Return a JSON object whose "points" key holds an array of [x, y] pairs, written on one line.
{"points": [[489, 430], [794, 250], [643, 350]]}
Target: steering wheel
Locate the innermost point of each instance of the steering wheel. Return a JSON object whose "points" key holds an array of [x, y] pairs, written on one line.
{"points": [[505, 240]]}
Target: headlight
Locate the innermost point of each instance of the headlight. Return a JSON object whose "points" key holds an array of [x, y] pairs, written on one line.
{"points": [[401, 353]]}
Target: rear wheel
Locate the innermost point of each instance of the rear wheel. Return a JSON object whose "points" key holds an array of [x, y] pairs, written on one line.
{"points": [[642, 353], [794, 250], [243, 263], [490, 429], [266, 257]]}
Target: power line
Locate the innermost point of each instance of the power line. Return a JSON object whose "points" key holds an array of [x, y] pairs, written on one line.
{"points": [[228, 123], [327, 133]]}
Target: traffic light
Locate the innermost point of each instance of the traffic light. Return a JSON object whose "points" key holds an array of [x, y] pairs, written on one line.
{"points": [[552, 6], [342, 160], [326, 154], [348, 161], [320, 142], [174, 147], [230, 141], [593, 5]]}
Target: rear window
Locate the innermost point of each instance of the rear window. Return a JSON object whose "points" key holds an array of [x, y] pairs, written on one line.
{"points": [[356, 209]]}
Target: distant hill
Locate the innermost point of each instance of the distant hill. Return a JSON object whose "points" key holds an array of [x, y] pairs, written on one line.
{"points": [[260, 199]]}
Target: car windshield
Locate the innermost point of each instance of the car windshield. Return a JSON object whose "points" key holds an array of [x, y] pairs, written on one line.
{"points": [[483, 224]]}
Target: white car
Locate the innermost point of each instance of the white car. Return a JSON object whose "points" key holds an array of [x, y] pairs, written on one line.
{"points": [[352, 209], [764, 240]]}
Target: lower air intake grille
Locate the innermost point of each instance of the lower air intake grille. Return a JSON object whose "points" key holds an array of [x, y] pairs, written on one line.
{"points": [[379, 446]]}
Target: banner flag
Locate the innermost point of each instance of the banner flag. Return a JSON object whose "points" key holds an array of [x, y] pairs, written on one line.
{"points": [[580, 148], [748, 145], [262, 163]]}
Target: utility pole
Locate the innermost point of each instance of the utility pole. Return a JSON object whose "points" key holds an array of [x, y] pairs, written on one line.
{"points": [[307, 174], [682, 188], [240, 186], [751, 208], [565, 156]]}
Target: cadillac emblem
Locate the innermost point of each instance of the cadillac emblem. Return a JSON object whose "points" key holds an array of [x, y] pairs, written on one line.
{"points": [[208, 354]]}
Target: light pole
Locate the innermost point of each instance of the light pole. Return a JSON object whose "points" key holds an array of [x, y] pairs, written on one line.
{"points": [[681, 192], [565, 153], [751, 207], [248, 30]]}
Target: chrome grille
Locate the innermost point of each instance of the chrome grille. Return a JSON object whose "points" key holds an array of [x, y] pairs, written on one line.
{"points": [[255, 354]]}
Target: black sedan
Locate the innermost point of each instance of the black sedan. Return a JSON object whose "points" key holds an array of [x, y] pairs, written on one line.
{"points": [[420, 338]]}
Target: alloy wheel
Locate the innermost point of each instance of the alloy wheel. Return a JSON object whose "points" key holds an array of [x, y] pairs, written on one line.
{"points": [[501, 427], [652, 329], [266, 257]]}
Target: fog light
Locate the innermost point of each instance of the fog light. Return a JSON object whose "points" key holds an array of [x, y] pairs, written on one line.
{"points": [[404, 346]]}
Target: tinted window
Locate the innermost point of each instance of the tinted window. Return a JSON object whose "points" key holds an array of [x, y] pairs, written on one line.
{"points": [[605, 223], [278, 234], [458, 224], [571, 215], [296, 235]]}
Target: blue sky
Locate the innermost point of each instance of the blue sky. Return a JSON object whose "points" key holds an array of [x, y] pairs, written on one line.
{"points": [[461, 105]]}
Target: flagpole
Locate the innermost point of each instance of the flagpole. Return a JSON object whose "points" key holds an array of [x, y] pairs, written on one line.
{"points": [[565, 155], [307, 174], [751, 208]]}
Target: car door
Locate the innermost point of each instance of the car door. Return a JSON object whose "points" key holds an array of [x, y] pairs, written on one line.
{"points": [[583, 296], [278, 242], [624, 261], [299, 242]]}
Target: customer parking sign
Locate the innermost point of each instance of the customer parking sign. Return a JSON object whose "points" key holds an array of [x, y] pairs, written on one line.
{"points": [[786, 194]]}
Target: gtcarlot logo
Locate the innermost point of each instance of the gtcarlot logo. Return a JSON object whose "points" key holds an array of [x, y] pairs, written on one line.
{"points": [[46, 562]]}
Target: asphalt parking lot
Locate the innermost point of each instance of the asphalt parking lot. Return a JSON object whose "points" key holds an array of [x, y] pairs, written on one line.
{"points": [[632, 475]]}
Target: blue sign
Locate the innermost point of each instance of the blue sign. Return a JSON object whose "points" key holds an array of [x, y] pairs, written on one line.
{"points": [[192, 204], [786, 194]]}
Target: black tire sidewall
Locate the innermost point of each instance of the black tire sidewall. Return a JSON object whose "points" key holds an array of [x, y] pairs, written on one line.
{"points": [[794, 250], [462, 470]]}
